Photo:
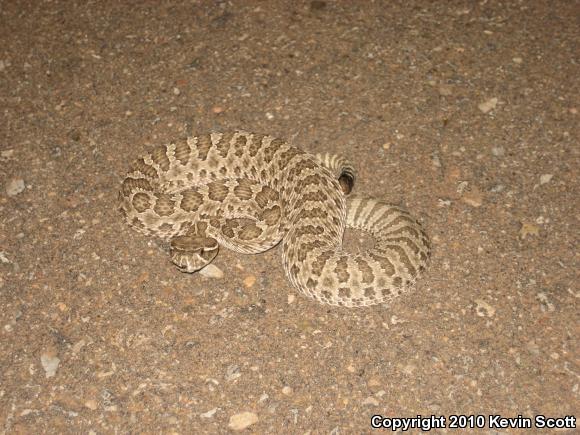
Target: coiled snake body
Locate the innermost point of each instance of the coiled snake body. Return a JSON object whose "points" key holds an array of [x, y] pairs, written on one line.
{"points": [[248, 192]]}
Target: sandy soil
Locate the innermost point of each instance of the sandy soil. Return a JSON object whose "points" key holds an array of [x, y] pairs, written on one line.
{"points": [[465, 112]]}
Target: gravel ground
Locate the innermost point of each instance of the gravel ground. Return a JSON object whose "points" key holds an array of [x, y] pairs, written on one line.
{"points": [[464, 112]]}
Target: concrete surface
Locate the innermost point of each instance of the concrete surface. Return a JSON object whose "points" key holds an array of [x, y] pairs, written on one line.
{"points": [[465, 112]]}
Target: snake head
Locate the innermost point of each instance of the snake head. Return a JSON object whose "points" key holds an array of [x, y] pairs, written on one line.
{"points": [[193, 253]]}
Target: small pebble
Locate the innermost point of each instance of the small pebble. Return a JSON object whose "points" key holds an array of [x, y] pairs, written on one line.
{"points": [[286, 390], [435, 160], [462, 186], [370, 401], [242, 420], [517, 60], [212, 271], [498, 151], [4, 258], [395, 320], [217, 109], [545, 178], [291, 299], [49, 362], [15, 186], [208, 414], [176, 91], [488, 105], [474, 198], [91, 404], [249, 281]]}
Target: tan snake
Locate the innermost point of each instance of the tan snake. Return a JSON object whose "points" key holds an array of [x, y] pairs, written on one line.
{"points": [[247, 192]]}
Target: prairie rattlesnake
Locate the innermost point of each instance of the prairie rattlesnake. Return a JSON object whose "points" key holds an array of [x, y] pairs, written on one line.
{"points": [[247, 192]]}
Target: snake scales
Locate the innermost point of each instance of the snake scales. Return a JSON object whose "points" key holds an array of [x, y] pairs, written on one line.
{"points": [[247, 192]]}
